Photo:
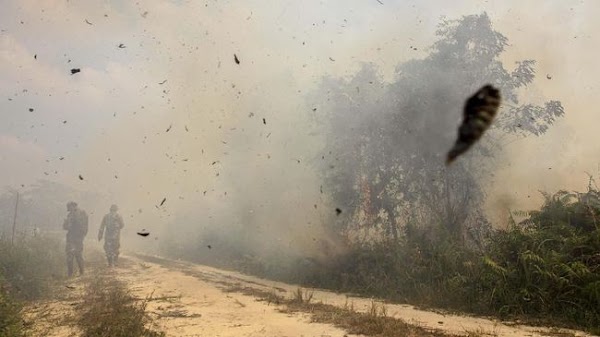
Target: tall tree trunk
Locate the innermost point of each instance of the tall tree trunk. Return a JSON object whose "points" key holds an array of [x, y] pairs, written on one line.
{"points": [[392, 229], [451, 221]]}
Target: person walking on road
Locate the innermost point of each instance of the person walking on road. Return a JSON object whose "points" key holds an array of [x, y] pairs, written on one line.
{"points": [[111, 226], [76, 225]]}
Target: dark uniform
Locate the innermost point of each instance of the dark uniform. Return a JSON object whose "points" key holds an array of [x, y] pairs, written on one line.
{"points": [[112, 223], [76, 225]]}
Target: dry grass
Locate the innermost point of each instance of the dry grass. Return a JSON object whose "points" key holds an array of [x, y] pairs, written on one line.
{"points": [[375, 322], [10, 315], [481, 333], [109, 310]]}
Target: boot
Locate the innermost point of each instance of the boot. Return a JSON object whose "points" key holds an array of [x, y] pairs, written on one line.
{"points": [[80, 264]]}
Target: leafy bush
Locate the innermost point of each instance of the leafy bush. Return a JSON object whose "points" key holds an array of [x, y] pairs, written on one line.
{"points": [[546, 267], [549, 264]]}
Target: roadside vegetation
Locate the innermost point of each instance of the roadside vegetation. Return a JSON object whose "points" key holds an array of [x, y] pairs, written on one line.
{"points": [[542, 269], [545, 268], [374, 322], [10, 313], [110, 310], [29, 267]]}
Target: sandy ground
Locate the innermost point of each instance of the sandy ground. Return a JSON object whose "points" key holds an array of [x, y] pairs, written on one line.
{"points": [[54, 318], [191, 300], [185, 305]]}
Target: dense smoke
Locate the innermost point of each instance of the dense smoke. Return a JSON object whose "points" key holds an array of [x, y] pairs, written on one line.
{"points": [[239, 151]]}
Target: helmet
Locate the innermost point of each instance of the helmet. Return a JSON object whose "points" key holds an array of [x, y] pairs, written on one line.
{"points": [[113, 208]]}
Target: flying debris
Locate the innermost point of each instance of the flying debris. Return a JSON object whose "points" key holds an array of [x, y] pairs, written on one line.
{"points": [[80, 177], [163, 201], [236, 59], [75, 71], [30, 109], [143, 233], [264, 121], [163, 82], [338, 211], [478, 114], [35, 56], [169, 128], [89, 23], [548, 76], [121, 46], [209, 246]]}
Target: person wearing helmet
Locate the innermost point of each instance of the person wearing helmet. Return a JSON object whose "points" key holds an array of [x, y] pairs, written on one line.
{"points": [[112, 223], [76, 225]]}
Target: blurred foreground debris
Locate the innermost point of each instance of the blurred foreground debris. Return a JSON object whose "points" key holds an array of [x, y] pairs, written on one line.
{"points": [[143, 233], [479, 112]]}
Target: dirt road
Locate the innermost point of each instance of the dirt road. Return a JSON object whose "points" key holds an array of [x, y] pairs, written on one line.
{"points": [[195, 300], [234, 314]]}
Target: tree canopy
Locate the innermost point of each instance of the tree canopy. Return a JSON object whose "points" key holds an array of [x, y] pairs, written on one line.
{"points": [[385, 142]]}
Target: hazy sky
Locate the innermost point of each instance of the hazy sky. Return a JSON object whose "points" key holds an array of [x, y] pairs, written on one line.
{"points": [[148, 120]]}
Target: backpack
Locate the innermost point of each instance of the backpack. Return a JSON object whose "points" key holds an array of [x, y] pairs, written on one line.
{"points": [[83, 222]]}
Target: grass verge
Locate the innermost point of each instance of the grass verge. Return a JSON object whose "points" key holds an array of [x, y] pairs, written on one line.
{"points": [[11, 323], [109, 310], [28, 269], [375, 322]]}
